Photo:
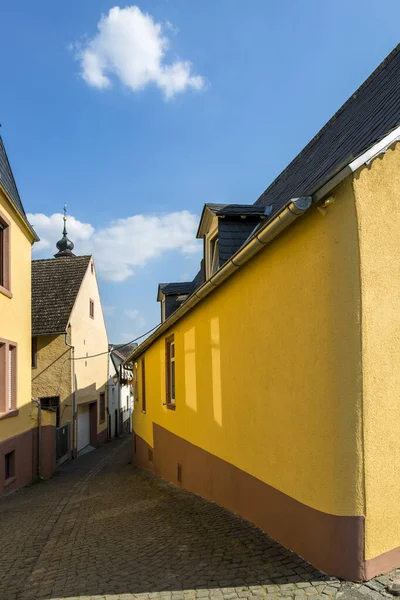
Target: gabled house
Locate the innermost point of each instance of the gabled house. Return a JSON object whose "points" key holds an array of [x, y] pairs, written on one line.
{"points": [[70, 347], [18, 415], [273, 388], [120, 393]]}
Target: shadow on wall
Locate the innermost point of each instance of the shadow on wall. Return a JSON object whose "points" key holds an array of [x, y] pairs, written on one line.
{"points": [[19, 462]]}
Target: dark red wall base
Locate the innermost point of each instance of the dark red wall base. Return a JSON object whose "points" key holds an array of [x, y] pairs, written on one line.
{"points": [[25, 447], [334, 544]]}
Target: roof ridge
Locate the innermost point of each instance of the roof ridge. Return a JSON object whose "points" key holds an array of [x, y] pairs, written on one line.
{"points": [[382, 65], [58, 258]]}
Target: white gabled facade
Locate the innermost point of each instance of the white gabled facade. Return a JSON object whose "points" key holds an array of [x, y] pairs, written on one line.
{"points": [[120, 400], [88, 336]]}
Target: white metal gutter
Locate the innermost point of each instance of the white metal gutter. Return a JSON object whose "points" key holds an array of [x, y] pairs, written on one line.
{"points": [[358, 162], [295, 208]]}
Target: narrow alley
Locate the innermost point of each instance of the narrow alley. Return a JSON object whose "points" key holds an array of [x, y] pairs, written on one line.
{"points": [[102, 529]]}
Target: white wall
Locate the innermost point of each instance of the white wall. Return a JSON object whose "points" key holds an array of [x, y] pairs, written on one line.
{"points": [[123, 392], [89, 337]]}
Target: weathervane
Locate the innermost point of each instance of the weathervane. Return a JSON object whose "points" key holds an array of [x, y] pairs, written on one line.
{"points": [[64, 246]]}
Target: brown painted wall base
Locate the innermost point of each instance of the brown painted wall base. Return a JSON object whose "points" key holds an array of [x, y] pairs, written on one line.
{"points": [[24, 447], [383, 563], [332, 543]]}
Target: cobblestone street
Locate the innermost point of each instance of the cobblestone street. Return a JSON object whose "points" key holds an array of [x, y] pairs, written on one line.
{"points": [[101, 529]]}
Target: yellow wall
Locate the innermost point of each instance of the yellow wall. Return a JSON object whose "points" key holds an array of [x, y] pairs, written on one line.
{"points": [[52, 376], [377, 190], [15, 318], [89, 336], [268, 367]]}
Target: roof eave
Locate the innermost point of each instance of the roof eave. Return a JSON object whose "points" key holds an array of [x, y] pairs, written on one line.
{"points": [[35, 334], [205, 220], [324, 188], [21, 217], [280, 221]]}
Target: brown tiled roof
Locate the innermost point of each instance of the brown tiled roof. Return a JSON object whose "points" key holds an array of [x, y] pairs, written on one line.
{"points": [[55, 286]]}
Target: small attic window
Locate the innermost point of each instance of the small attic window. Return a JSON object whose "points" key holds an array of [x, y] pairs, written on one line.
{"points": [[182, 297], [163, 309], [92, 268], [214, 255]]}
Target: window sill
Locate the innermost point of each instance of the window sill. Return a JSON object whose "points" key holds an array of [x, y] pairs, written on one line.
{"points": [[8, 414], [5, 292], [9, 481], [170, 406]]}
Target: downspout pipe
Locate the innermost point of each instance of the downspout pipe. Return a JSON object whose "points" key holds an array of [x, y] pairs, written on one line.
{"points": [[39, 440], [292, 211], [73, 390]]}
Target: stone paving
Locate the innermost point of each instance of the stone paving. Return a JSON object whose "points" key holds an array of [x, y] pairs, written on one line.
{"points": [[104, 530]]}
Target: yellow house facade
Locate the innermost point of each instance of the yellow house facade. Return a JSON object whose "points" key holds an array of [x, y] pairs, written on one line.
{"points": [[18, 462], [272, 386], [70, 346]]}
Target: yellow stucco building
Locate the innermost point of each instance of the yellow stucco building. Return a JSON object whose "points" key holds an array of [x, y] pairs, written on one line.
{"points": [[272, 385], [18, 441], [70, 348]]}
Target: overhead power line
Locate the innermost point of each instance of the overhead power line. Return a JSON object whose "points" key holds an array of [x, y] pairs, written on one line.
{"points": [[119, 347]]}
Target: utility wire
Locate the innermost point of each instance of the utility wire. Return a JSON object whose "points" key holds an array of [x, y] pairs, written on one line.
{"points": [[119, 347]]}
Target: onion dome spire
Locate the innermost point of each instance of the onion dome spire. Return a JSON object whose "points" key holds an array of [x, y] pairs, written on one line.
{"points": [[65, 246]]}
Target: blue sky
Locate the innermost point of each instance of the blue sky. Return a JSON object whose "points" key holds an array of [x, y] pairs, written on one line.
{"points": [[115, 122]]}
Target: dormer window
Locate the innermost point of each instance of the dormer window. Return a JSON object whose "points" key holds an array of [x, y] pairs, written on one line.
{"points": [[214, 255], [163, 309], [225, 228]]}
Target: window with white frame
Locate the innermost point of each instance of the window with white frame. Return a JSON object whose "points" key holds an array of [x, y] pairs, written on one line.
{"points": [[163, 309], [8, 376], [213, 255], [170, 371]]}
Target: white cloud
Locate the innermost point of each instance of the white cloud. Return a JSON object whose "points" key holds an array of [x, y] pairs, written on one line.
{"points": [[131, 46], [51, 227], [108, 310], [136, 316], [123, 245]]}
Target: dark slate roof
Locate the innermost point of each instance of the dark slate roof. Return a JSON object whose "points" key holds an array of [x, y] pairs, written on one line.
{"points": [[200, 277], [369, 114], [124, 349], [55, 285], [235, 209], [8, 182], [231, 236], [180, 287]]}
